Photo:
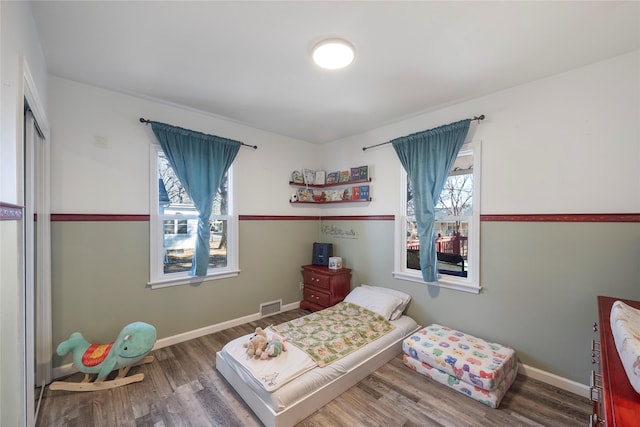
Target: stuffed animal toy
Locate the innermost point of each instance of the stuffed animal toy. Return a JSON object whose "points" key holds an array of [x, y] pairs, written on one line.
{"points": [[275, 347], [134, 342], [130, 348], [257, 343]]}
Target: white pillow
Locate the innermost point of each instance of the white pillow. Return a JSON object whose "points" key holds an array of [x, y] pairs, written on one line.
{"points": [[403, 296], [383, 304]]}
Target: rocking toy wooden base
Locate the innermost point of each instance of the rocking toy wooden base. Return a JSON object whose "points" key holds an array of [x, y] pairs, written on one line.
{"points": [[87, 385]]}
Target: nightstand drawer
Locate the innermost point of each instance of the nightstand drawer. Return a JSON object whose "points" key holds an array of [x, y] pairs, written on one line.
{"points": [[317, 280], [316, 296]]}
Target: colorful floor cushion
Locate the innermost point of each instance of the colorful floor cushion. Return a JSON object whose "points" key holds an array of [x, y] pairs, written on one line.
{"points": [[465, 357], [491, 398]]}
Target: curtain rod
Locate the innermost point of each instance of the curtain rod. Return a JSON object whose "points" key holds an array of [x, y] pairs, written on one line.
{"points": [[478, 118], [255, 147]]}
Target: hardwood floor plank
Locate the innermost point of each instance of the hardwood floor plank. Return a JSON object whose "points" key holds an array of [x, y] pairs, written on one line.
{"points": [[183, 388], [123, 411]]}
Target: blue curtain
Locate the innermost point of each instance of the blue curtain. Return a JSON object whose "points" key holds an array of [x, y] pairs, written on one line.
{"points": [[199, 161], [428, 157]]}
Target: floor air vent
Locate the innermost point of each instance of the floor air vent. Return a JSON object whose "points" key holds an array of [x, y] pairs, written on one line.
{"points": [[269, 308]]}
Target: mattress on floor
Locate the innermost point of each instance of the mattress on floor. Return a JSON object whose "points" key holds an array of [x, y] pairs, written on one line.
{"points": [[467, 358], [625, 327], [491, 398], [317, 377]]}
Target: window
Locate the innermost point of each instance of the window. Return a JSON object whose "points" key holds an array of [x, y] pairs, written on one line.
{"points": [[457, 231], [174, 224]]}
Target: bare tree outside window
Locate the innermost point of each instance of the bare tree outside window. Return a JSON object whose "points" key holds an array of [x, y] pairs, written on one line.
{"points": [[456, 197], [451, 228]]}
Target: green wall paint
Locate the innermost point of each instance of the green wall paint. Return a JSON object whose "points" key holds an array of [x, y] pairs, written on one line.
{"points": [[101, 269], [540, 281], [11, 336]]}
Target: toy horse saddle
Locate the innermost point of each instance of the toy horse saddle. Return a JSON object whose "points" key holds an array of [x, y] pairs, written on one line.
{"points": [[95, 354]]}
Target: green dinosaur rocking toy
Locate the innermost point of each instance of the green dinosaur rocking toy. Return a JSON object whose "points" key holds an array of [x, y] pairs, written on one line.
{"points": [[131, 347]]}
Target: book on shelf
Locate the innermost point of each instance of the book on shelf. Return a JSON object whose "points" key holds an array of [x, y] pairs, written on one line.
{"points": [[296, 177], [333, 195], [319, 178], [355, 174], [346, 194], [355, 193], [364, 192], [332, 177], [364, 172], [309, 176], [344, 176], [305, 195]]}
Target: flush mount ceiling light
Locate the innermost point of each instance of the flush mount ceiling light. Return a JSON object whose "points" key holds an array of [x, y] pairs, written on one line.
{"points": [[333, 54]]}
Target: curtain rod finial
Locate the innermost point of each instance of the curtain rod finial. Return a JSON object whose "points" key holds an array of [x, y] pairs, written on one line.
{"points": [[143, 120]]}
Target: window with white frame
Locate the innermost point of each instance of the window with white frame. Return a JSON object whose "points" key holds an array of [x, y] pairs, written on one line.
{"points": [[174, 226], [456, 227]]}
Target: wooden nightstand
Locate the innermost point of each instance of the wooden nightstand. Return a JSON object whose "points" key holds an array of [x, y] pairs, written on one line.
{"points": [[324, 287]]}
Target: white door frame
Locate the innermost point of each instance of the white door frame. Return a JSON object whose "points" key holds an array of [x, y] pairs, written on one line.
{"points": [[35, 190]]}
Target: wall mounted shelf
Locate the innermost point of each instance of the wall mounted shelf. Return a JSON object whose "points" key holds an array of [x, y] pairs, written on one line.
{"points": [[331, 195]]}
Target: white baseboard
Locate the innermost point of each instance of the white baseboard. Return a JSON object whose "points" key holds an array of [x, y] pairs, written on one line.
{"points": [[69, 369], [529, 371], [554, 380]]}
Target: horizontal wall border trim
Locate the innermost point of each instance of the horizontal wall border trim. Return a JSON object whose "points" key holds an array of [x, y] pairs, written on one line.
{"points": [[316, 217], [277, 217], [10, 212], [128, 217], [606, 217], [98, 217], [361, 217], [13, 212]]}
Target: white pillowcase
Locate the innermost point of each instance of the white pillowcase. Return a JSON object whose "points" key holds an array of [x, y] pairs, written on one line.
{"points": [[403, 296], [383, 304]]}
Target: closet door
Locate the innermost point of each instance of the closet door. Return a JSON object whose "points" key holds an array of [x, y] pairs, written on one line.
{"points": [[37, 258]]}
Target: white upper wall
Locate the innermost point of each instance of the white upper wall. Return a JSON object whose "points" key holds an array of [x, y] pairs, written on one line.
{"points": [[565, 144], [19, 44], [100, 155]]}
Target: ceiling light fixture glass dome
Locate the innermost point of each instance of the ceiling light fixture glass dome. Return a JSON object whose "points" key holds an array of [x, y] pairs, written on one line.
{"points": [[333, 54]]}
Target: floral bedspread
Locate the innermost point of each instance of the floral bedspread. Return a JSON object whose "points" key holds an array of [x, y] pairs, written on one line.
{"points": [[332, 333]]}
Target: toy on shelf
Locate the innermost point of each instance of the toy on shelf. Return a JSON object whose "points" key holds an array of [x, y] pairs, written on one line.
{"points": [[130, 349]]}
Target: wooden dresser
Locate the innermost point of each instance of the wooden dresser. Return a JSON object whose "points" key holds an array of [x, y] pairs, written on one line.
{"points": [[615, 402], [324, 287]]}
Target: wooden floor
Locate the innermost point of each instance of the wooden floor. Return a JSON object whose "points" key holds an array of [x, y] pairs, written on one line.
{"points": [[183, 388]]}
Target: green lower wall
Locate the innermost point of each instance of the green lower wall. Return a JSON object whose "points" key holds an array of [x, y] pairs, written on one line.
{"points": [[100, 271], [540, 281], [11, 336]]}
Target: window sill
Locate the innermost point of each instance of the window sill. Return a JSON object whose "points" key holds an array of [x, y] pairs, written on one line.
{"points": [[182, 280], [446, 283]]}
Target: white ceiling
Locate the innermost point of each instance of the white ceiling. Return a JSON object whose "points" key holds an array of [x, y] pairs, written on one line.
{"points": [[250, 61]]}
